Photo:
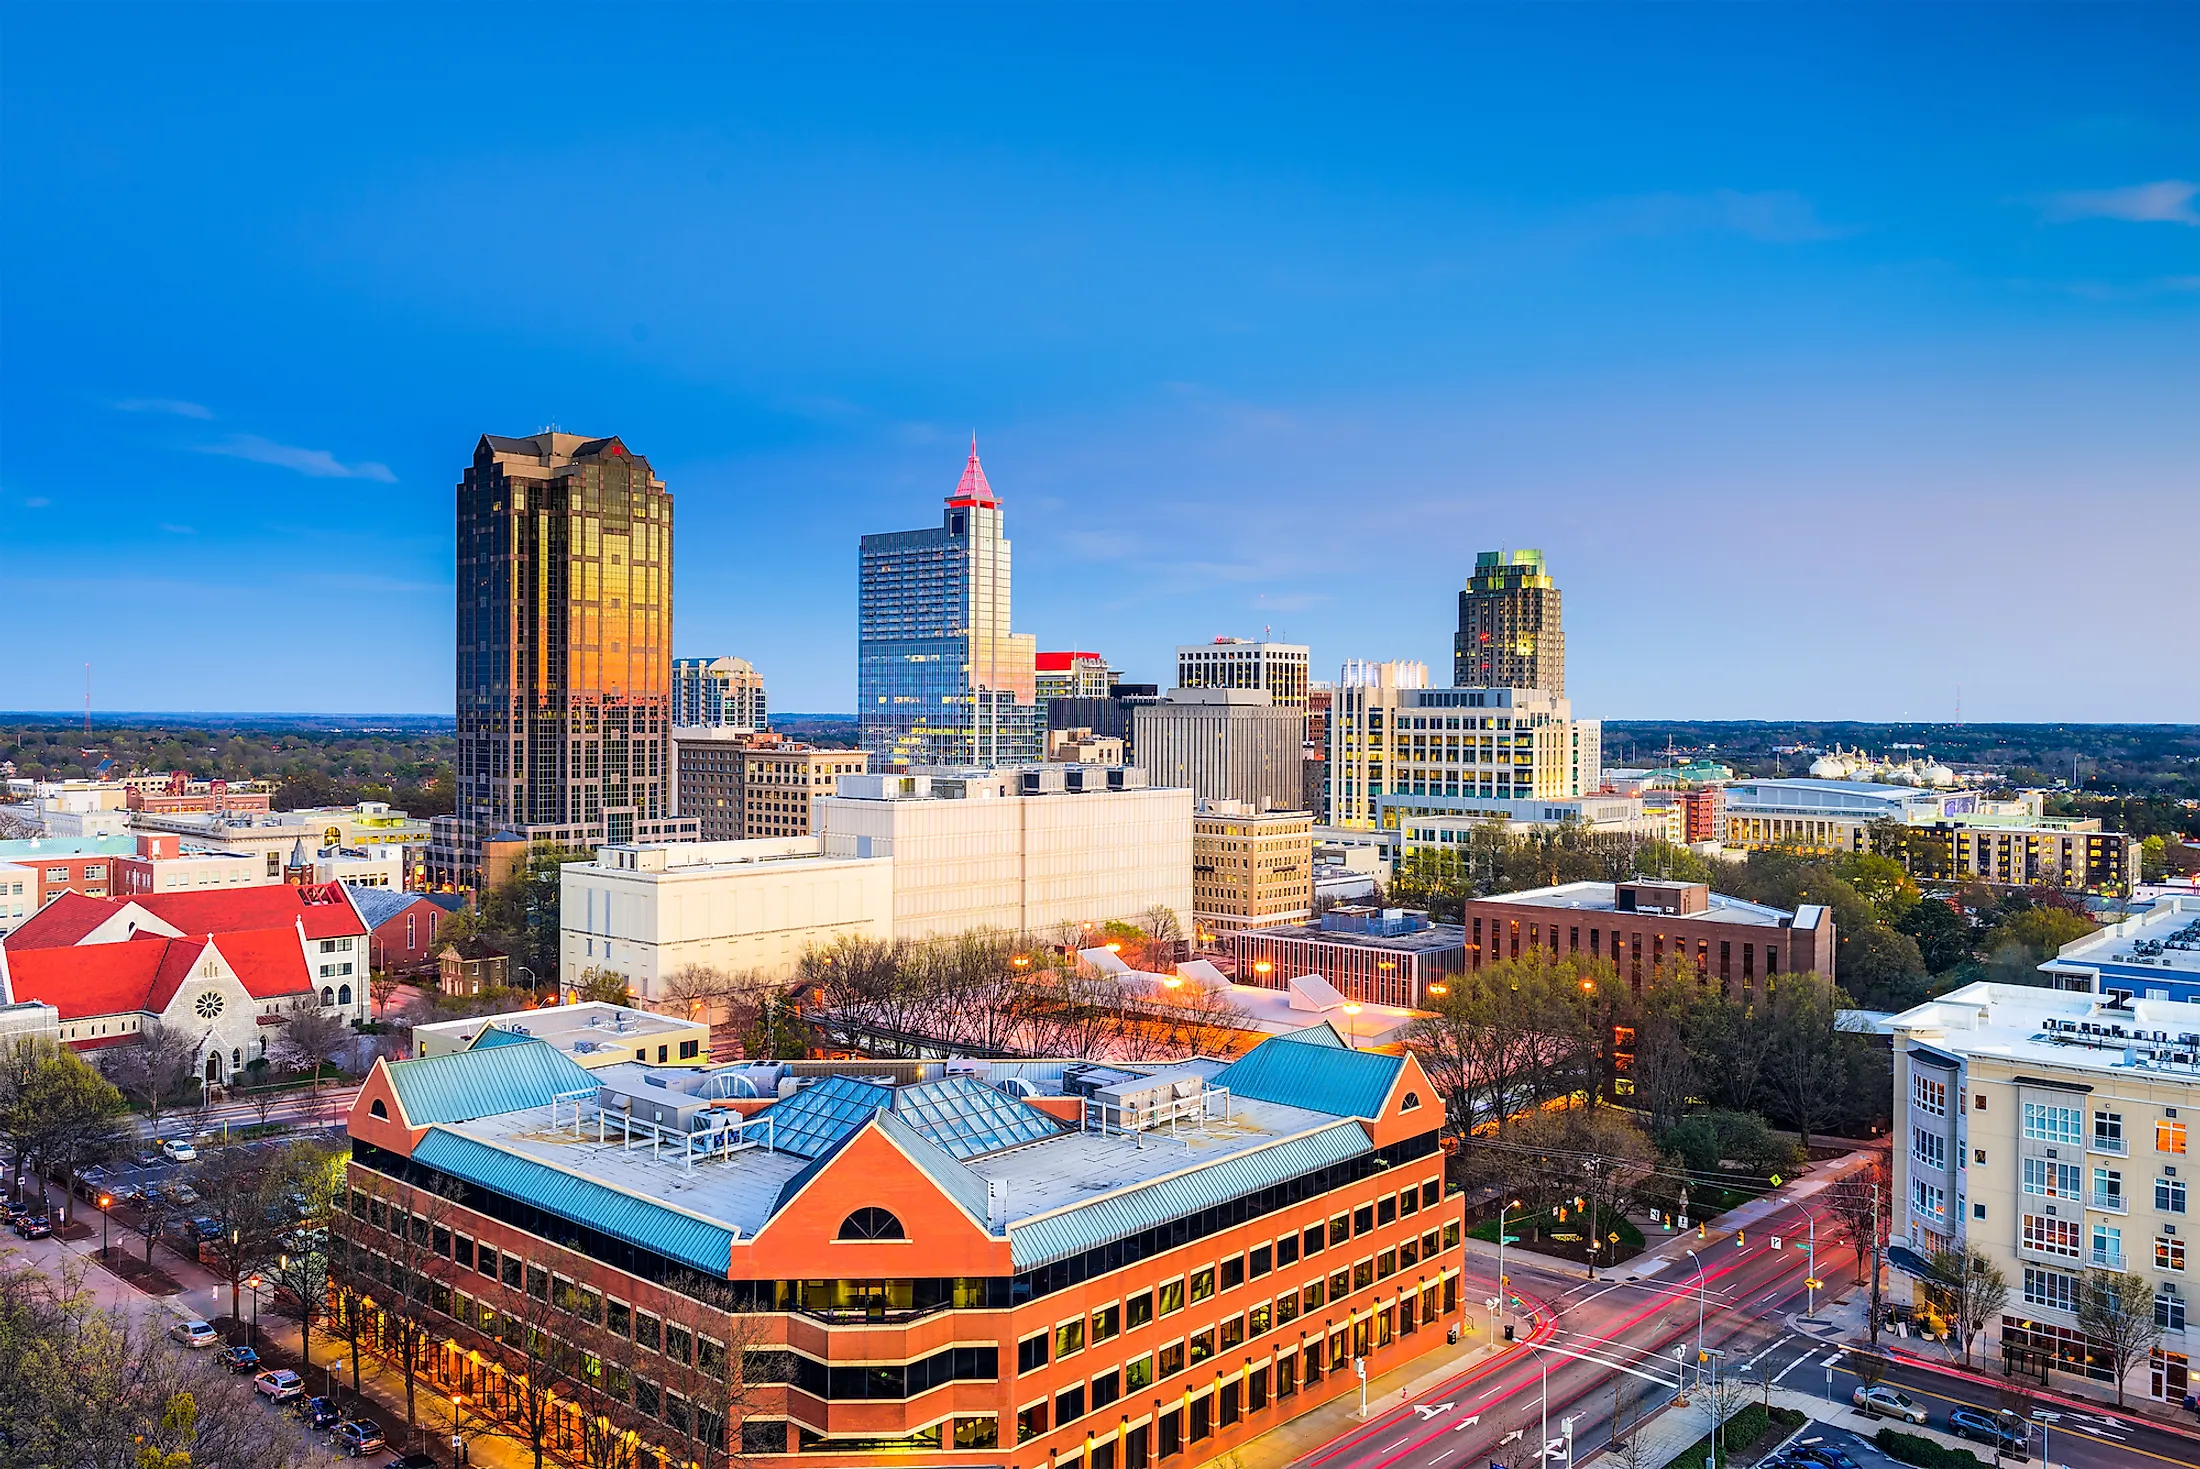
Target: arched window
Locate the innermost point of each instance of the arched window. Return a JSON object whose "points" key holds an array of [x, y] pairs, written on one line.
{"points": [[343, 994], [236, 1057], [378, 1110], [868, 1223], [328, 995], [1412, 1103]]}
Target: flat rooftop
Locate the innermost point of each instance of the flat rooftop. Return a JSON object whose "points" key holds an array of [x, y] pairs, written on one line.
{"points": [[1598, 897], [562, 1025], [2158, 946], [1434, 939], [2059, 1028]]}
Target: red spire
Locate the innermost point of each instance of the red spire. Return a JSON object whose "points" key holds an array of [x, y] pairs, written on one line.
{"points": [[972, 489]]}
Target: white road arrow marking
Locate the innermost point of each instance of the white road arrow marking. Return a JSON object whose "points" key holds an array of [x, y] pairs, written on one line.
{"points": [[1466, 1423], [1428, 1411], [1508, 1438]]}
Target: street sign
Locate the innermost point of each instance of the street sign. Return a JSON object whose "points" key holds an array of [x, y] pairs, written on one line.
{"points": [[1776, 1242], [1815, 1284]]}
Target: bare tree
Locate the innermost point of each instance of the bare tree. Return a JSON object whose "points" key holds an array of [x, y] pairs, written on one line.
{"points": [[1870, 1368], [1968, 1290], [381, 987], [299, 1273], [1727, 1394], [2116, 1309], [150, 1071], [696, 992], [1164, 937], [419, 1269], [237, 1195], [720, 1383], [309, 1038]]}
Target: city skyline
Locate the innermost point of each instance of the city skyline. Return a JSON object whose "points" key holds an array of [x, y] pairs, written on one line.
{"points": [[1829, 395]]}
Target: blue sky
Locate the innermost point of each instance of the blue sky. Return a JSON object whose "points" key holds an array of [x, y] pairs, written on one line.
{"points": [[1834, 356]]}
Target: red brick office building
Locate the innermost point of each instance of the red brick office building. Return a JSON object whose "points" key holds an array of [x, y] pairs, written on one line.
{"points": [[1016, 1264], [1638, 926]]}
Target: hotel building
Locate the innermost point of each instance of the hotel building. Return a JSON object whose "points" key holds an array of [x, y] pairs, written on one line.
{"points": [[1244, 663], [2051, 1132], [1009, 1264], [718, 692], [1511, 635]]}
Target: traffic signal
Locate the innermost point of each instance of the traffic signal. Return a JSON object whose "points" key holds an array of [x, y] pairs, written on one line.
{"points": [[1699, 1230], [1738, 1237]]}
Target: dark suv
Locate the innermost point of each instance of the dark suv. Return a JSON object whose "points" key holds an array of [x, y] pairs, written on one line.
{"points": [[1988, 1428]]}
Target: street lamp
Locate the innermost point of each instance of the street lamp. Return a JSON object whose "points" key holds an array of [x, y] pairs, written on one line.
{"points": [[1699, 1313], [106, 1218], [1502, 1297], [253, 1283], [1352, 1008], [458, 1417], [531, 980]]}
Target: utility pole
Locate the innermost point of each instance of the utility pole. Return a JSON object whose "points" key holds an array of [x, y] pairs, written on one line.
{"points": [[1875, 1265]]}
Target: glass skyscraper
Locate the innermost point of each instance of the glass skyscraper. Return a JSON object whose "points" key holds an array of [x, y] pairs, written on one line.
{"points": [[940, 679]]}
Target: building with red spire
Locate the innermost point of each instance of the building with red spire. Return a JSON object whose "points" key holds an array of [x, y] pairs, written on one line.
{"points": [[940, 678]]}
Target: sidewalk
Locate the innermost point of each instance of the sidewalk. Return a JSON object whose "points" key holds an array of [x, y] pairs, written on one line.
{"points": [[1387, 1395]]}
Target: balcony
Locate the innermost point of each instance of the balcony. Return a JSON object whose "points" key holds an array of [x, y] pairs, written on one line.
{"points": [[2107, 1259], [2115, 1147], [2113, 1203]]}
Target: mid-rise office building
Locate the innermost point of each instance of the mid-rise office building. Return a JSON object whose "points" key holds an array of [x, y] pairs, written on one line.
{"points": [[1600, 815], [1248, 663], [738, 785], [940, 678], [1640, 925], [718, 692], [645, 912], [1110, 717], [1225, 745], [1250, 869], [2051, 1132], [1072, 676], [1510, 632], [592, 1034], [1401, 750], [1083, 747], [1942, 836], [70, 864], [992, 1268], [564, 646], [1039, 849]]}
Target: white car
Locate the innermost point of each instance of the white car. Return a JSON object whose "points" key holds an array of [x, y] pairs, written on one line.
{"points": [[1882, 1401], [195, 1334], [179, 1150], [280, 1385]]}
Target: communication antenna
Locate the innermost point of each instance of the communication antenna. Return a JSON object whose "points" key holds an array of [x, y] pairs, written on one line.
{"points": [[87, 701]]}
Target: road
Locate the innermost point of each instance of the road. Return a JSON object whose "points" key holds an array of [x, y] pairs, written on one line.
{"points": [[1622, 1345]]}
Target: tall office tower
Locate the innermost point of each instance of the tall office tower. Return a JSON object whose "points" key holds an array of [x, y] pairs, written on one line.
{"points": [[940, 679], [564, 648], [1510, 635], [717, 693], [1241, 663], [1363, 725]]}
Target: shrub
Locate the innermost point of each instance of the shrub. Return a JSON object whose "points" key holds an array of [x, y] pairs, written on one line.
{"points": [[1909, 1448]]}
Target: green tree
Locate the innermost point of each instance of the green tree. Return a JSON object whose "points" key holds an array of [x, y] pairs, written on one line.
{"points": [[1967, 1290], [1880, 881], [2028, 938], [604, 986], [1882, 969], [1806, 1062], [1942, 934]]}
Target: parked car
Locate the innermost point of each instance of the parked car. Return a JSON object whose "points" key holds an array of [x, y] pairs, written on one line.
{"points": [[1985, 1427], [317, 1412], [13, 1209], [239, 1359], [35, 1226], [179, 1150], [1882, 1401], [412, 1461], [359, 1436], [280, 1385], [147, 1157], [194, 1334], [1821, 1454]]}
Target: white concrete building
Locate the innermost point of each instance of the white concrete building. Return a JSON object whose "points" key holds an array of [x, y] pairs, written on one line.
{"points": [[1602, 815], [592, 1033], [646, 911], [1243, 663], [2052, 1132], [18, 894], [367, 867], [1030, 850], [1225, 744]]}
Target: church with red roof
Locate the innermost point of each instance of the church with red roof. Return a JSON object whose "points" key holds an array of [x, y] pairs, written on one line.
{"points": [[225, 966]]}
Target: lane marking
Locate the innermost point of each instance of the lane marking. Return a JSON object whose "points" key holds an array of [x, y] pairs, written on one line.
{"points": [[1386, 1448], [1445, 1454]]}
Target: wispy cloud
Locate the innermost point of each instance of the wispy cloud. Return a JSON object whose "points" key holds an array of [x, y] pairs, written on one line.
{"points": [[175, 407], [318, 463], [1774, 216], [36, 502], [179, 530], [2166, 201]]}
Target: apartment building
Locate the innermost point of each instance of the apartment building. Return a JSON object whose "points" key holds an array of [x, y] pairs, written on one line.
{"points": [[1250, 869], [2052, 1132], [1021, 1263], [718, 693], [70, 864]]}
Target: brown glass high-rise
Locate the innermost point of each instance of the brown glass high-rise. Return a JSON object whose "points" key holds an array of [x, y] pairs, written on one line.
{"points": [[1510, 633], [564, 644]]}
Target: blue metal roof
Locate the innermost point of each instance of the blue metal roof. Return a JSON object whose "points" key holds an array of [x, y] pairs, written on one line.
{"points": [[957, 1182], [811, 1121], [1347, 1083], [497, 1035], [970, 1119], [483, 1082], [1076, 1228], [653, 1226], [1320, 1033]]}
